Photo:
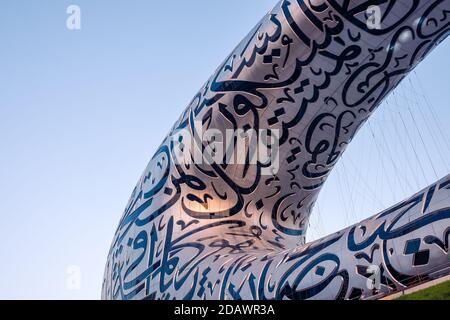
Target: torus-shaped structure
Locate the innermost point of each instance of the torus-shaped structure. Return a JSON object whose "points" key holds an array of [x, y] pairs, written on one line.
{"points": [[313, 71]]}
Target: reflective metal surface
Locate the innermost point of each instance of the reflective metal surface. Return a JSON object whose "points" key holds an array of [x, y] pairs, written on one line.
{"points": [[314, 71]]}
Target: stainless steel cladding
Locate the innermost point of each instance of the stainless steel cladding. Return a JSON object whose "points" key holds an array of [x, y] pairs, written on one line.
{"points": [[204, 225]]}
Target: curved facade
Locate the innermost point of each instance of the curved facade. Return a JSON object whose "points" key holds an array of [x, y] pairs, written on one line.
{"points": [[310, 73]]}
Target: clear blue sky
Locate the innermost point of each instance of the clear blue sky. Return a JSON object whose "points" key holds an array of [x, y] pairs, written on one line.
{"points": [[81, 113]]}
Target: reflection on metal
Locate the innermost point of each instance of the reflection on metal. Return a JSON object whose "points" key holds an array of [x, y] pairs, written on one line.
{"points": [[315, 71]]}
